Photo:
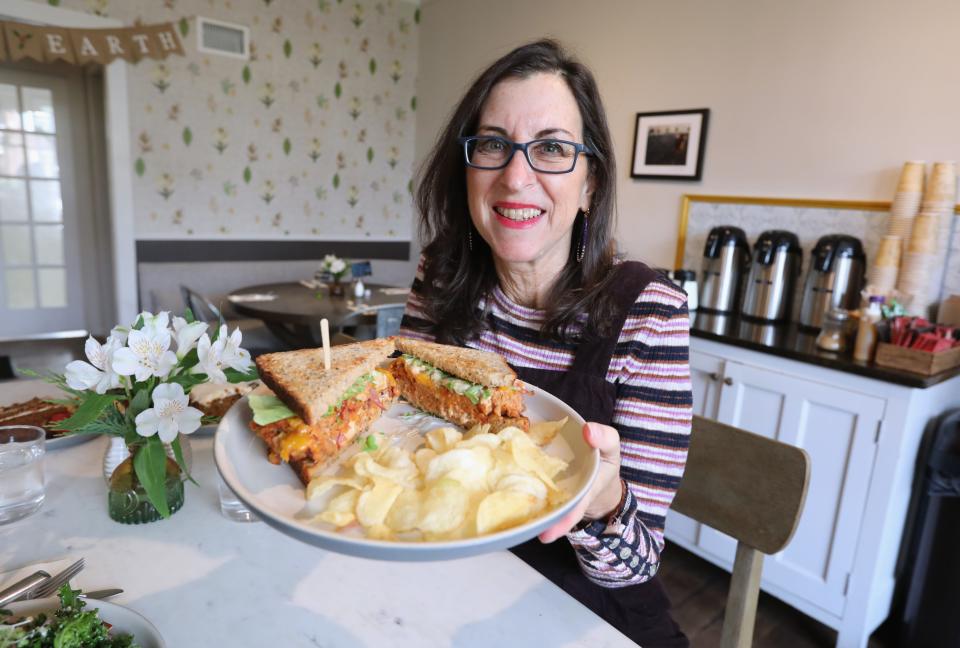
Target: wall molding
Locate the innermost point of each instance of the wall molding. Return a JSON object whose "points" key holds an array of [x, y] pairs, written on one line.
{"points": [[218, 250]]}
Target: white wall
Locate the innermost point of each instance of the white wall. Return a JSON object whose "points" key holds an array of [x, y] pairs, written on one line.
{"points": [[817, 99]]}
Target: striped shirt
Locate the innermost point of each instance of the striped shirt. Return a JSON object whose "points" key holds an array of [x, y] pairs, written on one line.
{"points": [[652, 414]]}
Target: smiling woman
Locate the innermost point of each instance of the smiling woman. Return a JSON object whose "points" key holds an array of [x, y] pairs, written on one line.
{"points": [[516, 206]]}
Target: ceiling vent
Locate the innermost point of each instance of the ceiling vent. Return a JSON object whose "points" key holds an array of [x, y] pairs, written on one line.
{"points": [[226, 39]]}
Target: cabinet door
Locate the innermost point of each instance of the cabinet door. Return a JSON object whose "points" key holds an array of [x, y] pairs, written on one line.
{"points": [[838, 429], [706, 373]]}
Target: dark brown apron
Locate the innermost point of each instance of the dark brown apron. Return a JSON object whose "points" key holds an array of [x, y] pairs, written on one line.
{"points": [[642, 612]]}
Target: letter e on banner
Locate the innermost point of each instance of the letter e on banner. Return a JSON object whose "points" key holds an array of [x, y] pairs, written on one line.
{"points": [[56, 45]]}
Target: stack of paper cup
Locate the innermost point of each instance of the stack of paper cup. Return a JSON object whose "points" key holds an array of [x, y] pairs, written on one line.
{"points": [[882, 277], [939, 199], [919, 276], [906, 202]]}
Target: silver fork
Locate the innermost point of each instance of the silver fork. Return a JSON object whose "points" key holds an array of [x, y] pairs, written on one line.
{"points": [[51, 586]]}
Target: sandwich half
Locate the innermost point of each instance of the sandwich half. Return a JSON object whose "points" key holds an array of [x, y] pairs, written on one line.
{"points": [[320, 412], [464, 386]]}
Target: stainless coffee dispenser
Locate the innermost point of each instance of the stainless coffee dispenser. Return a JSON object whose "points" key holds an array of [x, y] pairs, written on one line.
{"points": [[773, 274], [834, 278], [725, 258]]}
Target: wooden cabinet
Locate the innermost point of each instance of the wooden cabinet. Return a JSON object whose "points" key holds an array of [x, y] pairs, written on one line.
{"points": [[862, 436]]}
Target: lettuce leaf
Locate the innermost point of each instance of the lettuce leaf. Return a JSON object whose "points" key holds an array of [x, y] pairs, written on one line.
{"points": [[268, 409]]}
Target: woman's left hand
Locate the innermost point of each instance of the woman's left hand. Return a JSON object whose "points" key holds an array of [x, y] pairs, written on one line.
{"points": [[606, 492]]}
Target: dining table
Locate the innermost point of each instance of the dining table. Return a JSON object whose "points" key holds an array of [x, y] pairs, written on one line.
{"points": [[204, 580], [293, 310]]}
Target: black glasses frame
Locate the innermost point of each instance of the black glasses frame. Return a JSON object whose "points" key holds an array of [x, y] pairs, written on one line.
{"points": [[521, 146]]}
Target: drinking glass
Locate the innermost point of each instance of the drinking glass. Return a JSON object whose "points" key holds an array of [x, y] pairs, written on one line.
{"points": [[21, 471], [231, 506]]}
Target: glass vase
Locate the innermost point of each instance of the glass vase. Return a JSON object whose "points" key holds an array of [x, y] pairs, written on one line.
{"points": [[336, 289], [127, 500], [117, 451]]}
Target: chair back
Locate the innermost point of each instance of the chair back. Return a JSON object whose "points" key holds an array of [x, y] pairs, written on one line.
{"points": [[202, 308], [753, 489]]}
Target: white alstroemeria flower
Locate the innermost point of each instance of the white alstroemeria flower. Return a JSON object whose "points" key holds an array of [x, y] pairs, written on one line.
{"points": [[187, 334], [225, 352], [329, 259], [158, 322], [99, 373], [120, 334], [146, 354], [338, 266], [171, 414]]}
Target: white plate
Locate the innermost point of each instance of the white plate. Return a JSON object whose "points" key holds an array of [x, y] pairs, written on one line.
{"points": [[124, 620], [277, 496], [18, 391]]}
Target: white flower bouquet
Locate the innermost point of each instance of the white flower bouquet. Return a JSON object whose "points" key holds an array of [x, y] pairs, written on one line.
{"points": [[135, 386], [334, 265]]}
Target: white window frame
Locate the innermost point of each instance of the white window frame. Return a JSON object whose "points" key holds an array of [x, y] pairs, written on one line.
{"points": [[201, 22]]}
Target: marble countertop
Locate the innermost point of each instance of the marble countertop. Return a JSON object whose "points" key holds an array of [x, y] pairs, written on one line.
{"points": [[206, 581], [789, 340]]}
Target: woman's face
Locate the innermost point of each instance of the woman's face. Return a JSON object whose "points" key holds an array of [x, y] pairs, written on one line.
{"points": [[527, 217]]}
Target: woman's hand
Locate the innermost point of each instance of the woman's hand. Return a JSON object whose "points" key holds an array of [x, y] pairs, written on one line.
{"points": [[606, 492]]}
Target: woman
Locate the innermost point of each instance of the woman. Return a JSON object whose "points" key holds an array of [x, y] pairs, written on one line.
{"points": [[516, 204]]}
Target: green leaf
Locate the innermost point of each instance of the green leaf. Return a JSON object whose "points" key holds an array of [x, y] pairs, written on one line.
{"points": [[187, 136], [373, 66], [190, 360], [184, 26], [287, 48], [268, 409], [178, 455], [188, 380], [150, 464], [235, 376], [413, 103], [287, 146], [337, 90], [370, 154], [91, 407], [247, 174], [416, 15], [140, 166], [138, 403], [138, 324], [246, 74], [336, 180], [189, 316]]}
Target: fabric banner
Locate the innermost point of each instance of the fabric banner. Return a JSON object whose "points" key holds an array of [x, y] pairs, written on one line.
{"points": [[20, 41]]}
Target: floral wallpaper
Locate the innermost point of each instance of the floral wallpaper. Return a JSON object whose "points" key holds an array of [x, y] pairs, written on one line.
{"points": [[312, 137]]}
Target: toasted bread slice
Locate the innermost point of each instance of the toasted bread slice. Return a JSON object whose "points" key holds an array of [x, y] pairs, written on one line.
{"points": [[299, 379], [481, 367]]}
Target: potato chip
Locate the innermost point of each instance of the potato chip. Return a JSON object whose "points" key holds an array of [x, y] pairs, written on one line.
{"points": [[543, 432], [367, 466], [503, 509], [340, 509], [444, 507], [321, 485], [487, 440], [479, 428], [381, 532], [468, 466], [521, 483], [405, 512], [532, 458], [422, 457], [442, 439], [374, 504]]}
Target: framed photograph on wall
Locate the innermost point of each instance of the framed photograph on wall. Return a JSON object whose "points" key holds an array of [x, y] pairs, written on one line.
{"points": [[669, 145]]}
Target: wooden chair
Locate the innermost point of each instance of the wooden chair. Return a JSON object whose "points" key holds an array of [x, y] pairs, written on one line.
{"points": [[753, 489]]}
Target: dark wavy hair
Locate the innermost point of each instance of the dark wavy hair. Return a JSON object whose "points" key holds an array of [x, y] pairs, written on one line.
{"points": [[456, 277]]}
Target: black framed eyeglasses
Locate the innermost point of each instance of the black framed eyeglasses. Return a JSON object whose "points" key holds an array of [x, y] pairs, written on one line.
{"points": [[544, 155]]}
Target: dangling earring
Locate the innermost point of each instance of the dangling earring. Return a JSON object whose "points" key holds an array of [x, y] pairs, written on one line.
{"points": [[470, 239], [582, 248]]}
